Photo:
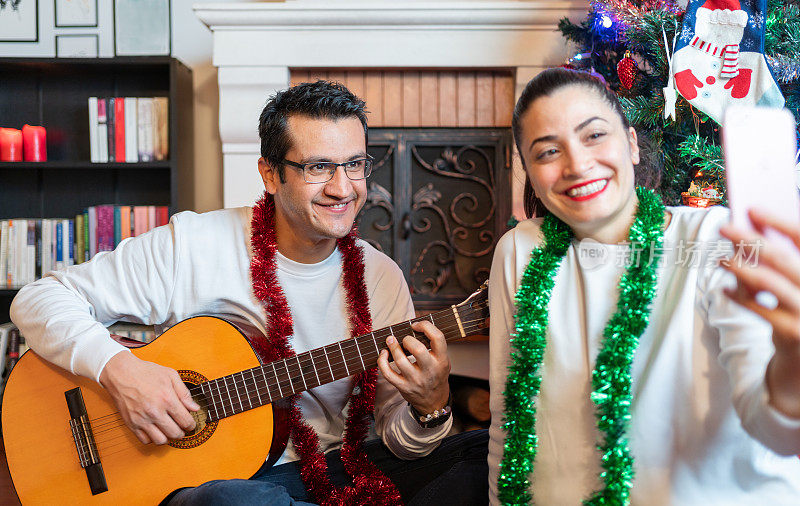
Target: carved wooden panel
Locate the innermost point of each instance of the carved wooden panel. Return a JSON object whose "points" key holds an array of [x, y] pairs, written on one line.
{"points": [[439, 199]]}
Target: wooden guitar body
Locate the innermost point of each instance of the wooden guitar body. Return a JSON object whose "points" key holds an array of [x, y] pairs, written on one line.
{"points": [[67, 444], [45, 462]]}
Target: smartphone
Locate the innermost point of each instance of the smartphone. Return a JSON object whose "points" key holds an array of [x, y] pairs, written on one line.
{"points": [[760, 148]]}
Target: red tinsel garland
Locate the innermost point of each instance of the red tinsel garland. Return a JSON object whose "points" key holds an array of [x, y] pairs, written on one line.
{"points": [[370, 485]]}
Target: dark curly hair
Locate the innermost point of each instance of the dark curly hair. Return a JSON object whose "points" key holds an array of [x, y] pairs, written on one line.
{"points": [[319, 100]]}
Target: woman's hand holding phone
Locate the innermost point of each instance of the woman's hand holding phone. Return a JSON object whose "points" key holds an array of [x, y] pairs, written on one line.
{"points": [[765, 230]]}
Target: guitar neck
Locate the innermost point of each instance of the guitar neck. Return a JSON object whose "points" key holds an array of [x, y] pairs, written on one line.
{"points": [[277, 380]]}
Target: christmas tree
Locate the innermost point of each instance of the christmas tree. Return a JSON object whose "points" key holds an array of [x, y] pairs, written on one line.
{"points": [[633, 44]]}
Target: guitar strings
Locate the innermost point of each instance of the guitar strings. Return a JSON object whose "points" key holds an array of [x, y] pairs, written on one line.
{"points": [[286, 378], [287, 381], [122, 438], [352, 345], [350, 351], [353, 349], [114, 421]]}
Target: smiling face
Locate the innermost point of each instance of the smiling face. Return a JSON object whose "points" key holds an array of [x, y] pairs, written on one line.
{"points": [[310, 217], [579, 158]]}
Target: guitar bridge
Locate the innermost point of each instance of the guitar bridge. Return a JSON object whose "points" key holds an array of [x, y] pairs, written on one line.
{"points": [[85, 444]]}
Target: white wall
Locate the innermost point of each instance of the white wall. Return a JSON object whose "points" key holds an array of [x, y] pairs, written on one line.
{"points": [[191, 43]]}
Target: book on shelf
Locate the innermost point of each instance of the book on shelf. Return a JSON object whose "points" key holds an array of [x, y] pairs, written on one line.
{"points": [[30, 248], [37, 248], [131, 131], [79, 240], [94, 124], [21, 249], [111, 130], [128, 129], [144, 108], [125, 228], [105, 228], [46, 245], [58, 247], [162, 215], [161, 128], [102, 131], [91, 216], [3, 252], [69, 247], [119, 129], [139, 219]]}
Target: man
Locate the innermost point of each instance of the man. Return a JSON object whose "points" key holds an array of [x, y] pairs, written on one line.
{"points": [[291, 268]]}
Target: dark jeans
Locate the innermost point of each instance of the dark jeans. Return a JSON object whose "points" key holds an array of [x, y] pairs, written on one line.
{"points": [[455, 473]]}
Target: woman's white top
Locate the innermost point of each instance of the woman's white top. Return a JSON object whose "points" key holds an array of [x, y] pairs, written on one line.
{"points": [[701, 431]]}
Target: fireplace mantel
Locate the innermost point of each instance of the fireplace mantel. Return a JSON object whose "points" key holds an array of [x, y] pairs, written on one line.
{"points": [[255, 45]]}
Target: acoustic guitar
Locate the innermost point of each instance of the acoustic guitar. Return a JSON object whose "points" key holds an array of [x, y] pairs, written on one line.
{"points": [[66, 443]]}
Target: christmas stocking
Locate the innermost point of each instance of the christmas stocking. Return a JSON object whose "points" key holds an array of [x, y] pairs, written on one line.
{"points": [[719, 59]]}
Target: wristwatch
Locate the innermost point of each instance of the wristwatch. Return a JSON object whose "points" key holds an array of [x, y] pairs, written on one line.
{"points": [[435, 419]]}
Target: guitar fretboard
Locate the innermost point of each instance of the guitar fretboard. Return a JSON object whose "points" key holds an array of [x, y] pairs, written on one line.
{"points": [[251, 388]]}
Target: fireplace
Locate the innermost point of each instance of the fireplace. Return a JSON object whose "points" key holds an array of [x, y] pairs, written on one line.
{"points": [[256, 45], [262, 47]]}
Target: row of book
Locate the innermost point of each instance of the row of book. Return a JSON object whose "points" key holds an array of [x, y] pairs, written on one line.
{"points": [[128, 129], [29, 248]]}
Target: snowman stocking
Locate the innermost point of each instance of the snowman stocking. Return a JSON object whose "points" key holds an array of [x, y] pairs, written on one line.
{"points": [[720, 60]]}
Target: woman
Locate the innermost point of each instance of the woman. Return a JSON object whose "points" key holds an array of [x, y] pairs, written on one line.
{"points": [[624, 365]]}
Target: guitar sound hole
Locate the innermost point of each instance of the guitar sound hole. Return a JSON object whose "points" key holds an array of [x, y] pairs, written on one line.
{"points": [[200, 416], [204, 427]]}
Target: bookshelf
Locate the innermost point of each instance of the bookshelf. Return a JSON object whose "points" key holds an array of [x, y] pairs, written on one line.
{"points": [[53, 92]]}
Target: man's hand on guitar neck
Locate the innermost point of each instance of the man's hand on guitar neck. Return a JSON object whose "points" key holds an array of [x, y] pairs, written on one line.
{"points": [[423, 383], [152, 399]]}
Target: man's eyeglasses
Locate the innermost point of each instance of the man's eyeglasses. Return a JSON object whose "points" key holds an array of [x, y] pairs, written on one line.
{"points": [[322, 172]]}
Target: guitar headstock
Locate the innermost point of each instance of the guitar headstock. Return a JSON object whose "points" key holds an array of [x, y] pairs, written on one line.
{"points": [[474, 311], [479, 295]]}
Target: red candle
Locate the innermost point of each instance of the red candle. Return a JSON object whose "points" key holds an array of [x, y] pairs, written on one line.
{"points": [[10, 145], [34, 143]]}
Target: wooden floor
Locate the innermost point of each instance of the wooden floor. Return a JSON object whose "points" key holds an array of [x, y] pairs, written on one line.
{"points": [[7, 494]]}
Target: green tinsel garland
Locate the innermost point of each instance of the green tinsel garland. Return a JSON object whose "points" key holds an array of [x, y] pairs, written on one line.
{"points": [[611, 379]]}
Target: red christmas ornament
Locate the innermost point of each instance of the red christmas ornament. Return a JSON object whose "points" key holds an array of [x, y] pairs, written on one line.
{"points": [[626, 70]]}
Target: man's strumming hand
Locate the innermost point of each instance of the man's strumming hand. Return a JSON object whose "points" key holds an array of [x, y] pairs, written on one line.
{"points": [[423, 383], [152, 399]]}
